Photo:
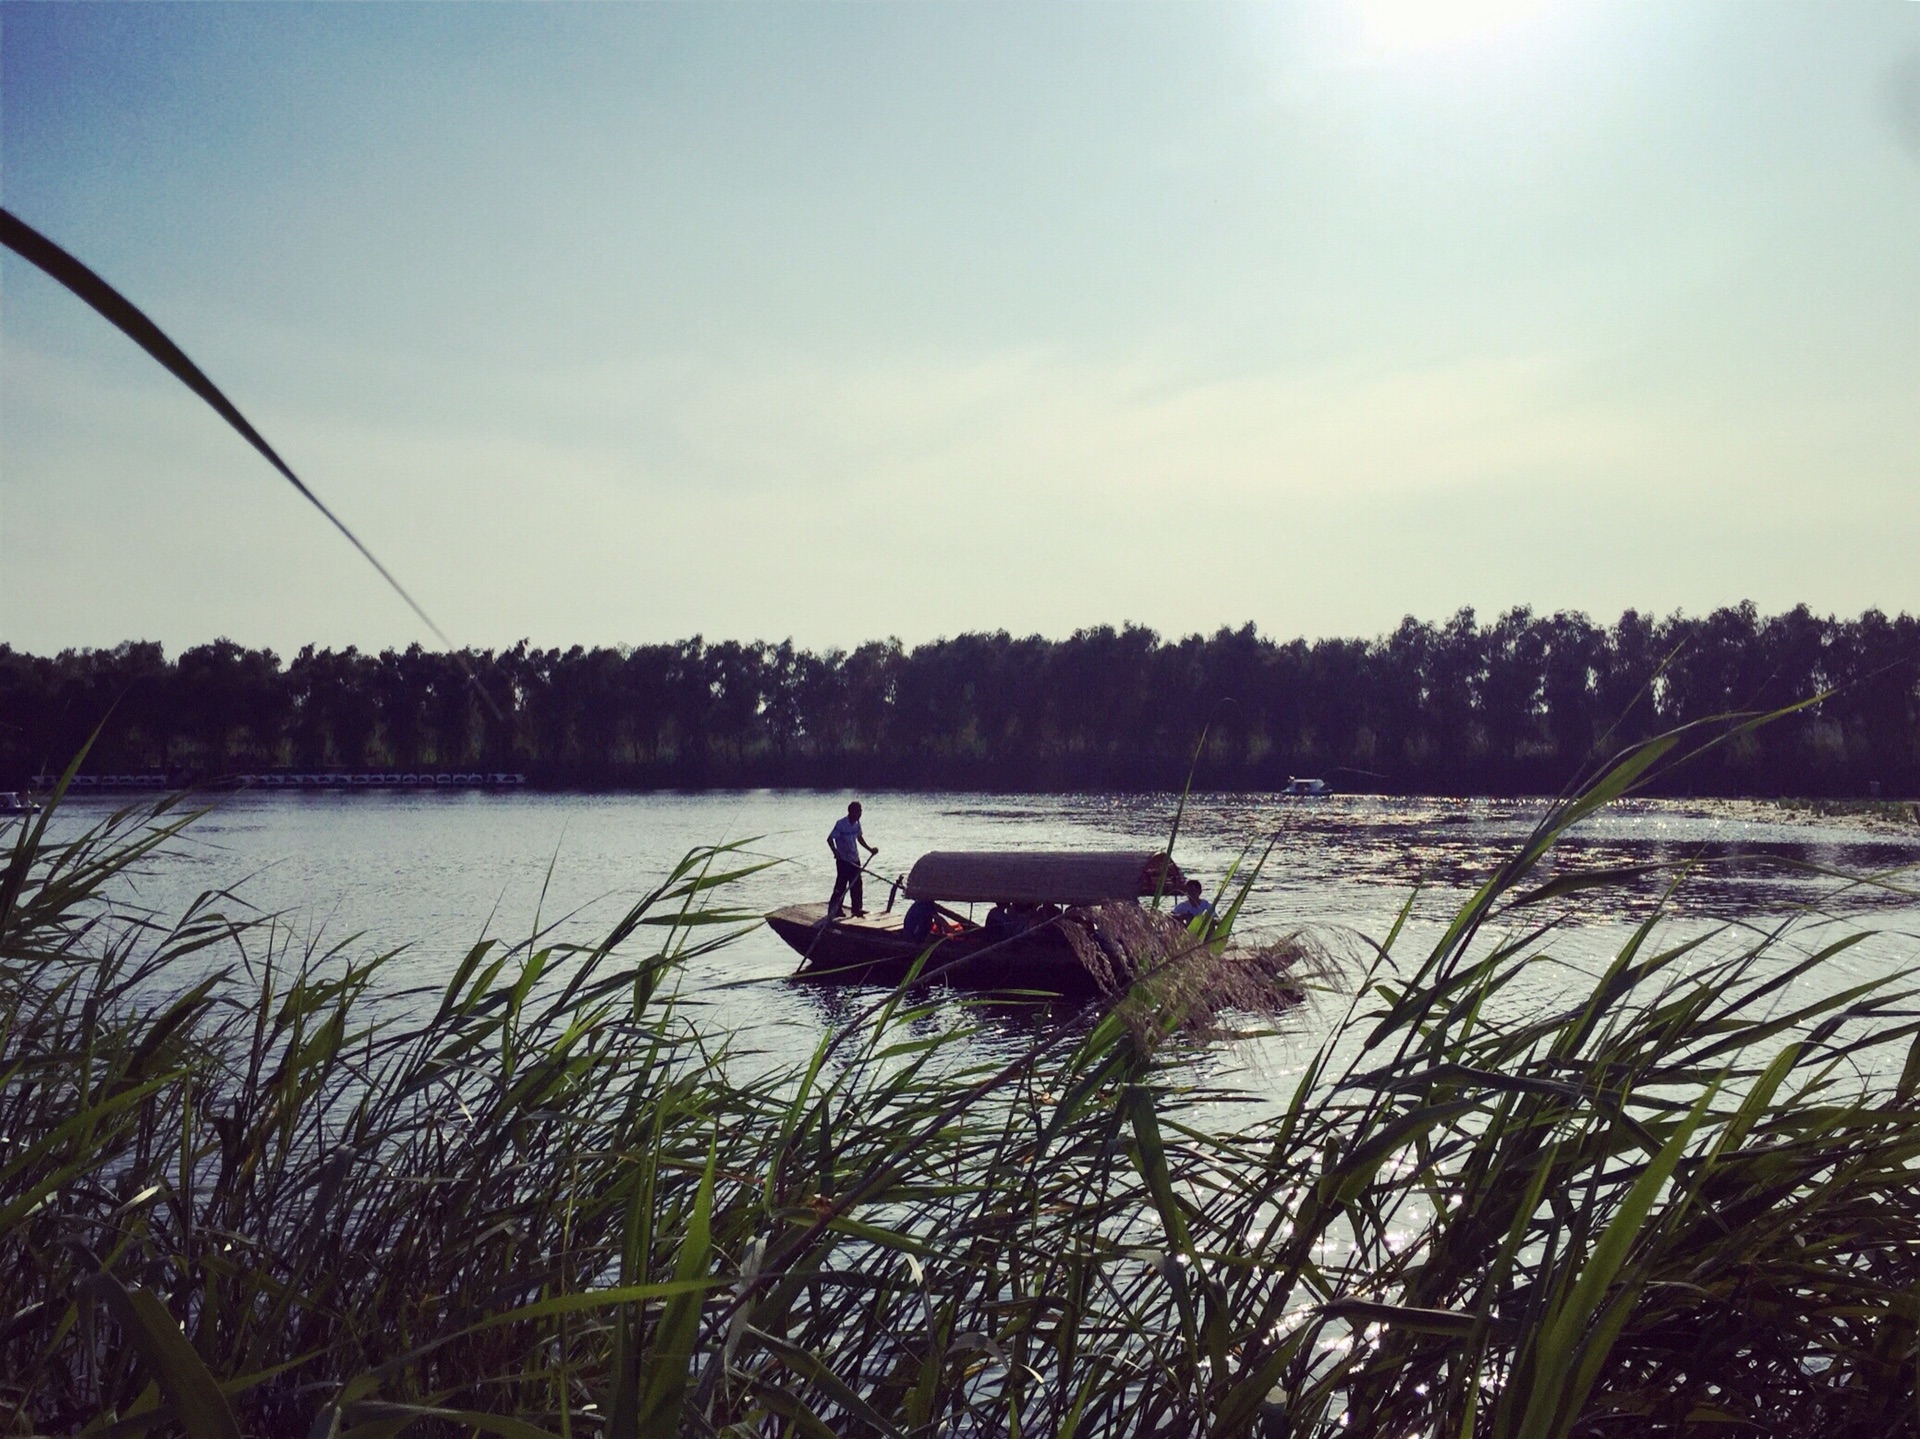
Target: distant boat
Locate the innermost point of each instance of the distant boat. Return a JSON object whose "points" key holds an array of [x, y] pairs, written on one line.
{"points": [[1306, 788], [1044, 932], [12, 801]]}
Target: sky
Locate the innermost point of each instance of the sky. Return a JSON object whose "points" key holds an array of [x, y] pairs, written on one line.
{"points": [[616, 324]]}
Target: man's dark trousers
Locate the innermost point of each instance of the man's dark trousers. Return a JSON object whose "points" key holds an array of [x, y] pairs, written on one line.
{"points": [[846, 876]]}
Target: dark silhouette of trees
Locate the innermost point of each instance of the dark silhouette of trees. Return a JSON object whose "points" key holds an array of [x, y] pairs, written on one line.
{"points": [[1521, 704]]}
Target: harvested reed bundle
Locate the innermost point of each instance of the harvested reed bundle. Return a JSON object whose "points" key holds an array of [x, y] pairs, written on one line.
{"points": [[1176, 979]]}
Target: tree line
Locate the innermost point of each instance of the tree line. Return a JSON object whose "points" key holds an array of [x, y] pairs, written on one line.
{"points": [[1518, 705]]}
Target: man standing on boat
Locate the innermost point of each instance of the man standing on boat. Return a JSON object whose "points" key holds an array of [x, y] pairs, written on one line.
{"points": [[845, 842]]}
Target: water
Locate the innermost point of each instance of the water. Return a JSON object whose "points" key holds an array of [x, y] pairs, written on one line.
{"points": [[434, 871]]}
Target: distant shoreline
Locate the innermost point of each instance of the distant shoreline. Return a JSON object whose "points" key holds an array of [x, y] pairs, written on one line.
{"points": [[1789, 704]]}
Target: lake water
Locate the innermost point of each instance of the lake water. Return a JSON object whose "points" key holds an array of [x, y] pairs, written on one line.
{"points": [[434, 871]]}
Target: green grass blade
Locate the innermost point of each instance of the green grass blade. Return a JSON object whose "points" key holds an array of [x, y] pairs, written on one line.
{"points": [[192, 1392], [670, 1357]]}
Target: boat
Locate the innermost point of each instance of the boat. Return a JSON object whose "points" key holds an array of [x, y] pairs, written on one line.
{"points": [[1047, 931], [14, 802], [1307, 788]]}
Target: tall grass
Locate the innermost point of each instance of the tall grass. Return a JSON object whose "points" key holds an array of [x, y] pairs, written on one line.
{"points": [[249, 1188]]}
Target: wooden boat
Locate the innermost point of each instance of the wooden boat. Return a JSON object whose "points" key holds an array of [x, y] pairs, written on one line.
{"points": [[1036, 896]]}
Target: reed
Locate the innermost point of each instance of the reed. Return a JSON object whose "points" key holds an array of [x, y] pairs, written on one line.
{"points": [[250, 1188]]}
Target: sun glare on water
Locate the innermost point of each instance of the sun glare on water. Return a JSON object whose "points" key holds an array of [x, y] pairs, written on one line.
{"points": [[1441, 24]]}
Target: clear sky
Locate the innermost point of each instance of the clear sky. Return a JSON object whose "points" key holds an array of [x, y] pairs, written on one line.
{"points": [[620, 323]]}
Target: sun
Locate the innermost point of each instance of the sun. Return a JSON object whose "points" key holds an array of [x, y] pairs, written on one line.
{"points": [[1440, 24]]}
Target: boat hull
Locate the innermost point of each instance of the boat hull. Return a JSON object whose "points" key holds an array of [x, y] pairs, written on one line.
{"points": [[874, 950]]}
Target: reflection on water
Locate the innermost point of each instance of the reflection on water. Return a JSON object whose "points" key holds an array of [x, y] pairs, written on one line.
{"points": [[433, 871]]}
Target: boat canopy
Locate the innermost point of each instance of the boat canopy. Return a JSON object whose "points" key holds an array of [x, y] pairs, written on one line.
{"points": [[1042, 876]]}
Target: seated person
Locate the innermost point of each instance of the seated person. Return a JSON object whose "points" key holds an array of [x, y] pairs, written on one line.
{"points": [[922, 922], [1194, 905], [1000, 920]]}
